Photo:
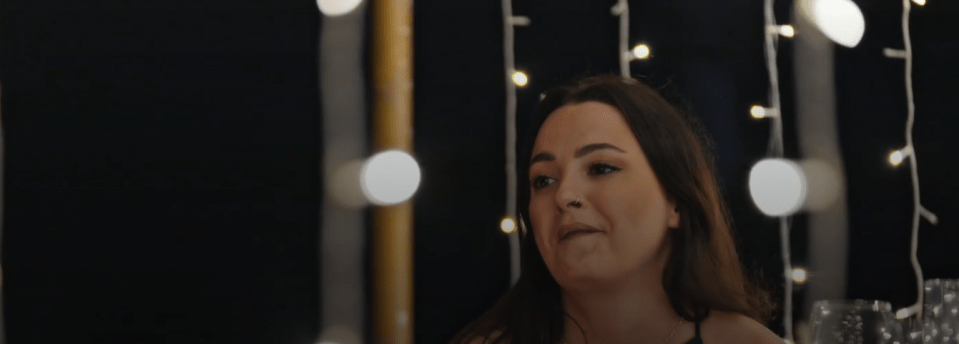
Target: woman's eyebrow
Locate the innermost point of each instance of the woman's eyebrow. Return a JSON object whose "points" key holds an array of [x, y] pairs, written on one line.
{"points": [[592, 147]]}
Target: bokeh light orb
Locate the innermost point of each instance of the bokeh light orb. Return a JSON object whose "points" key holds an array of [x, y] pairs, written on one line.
{"points": [[840, 20], [777, 186], [334, 8], [390, 177]]}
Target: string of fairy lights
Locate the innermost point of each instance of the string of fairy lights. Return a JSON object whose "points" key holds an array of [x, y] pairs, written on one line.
{"points": [[908, 152], [621, 9], [776, 165], [514, 78], [842, 22]]}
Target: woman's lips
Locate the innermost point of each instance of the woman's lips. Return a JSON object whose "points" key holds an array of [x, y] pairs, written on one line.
{"points": [[578, 233]]}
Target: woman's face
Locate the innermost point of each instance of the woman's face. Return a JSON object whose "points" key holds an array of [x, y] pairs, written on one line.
{"points": [[587, 152]]}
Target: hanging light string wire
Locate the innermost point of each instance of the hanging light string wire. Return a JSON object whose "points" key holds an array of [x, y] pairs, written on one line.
{"points": [[508, 42], [775, 148], [621, 9], [918, 209]]}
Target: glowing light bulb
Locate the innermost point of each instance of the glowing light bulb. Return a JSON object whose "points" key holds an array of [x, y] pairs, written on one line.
{"points": [[919, 2], [898, 156], [390, 177], [334, 8], [508, 225], [799, 275], [895, 158], [641, 52], [840, 20], [787, 31], [520, 79], [759, 112], [777, 186]]}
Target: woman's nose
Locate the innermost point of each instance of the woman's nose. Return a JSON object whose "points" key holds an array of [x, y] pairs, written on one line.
{"points": [[569, 193]]}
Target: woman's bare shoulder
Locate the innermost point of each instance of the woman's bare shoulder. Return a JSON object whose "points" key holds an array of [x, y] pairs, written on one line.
{"points": [[728, 328]]}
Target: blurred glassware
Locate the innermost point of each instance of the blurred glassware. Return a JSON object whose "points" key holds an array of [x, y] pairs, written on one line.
{"points": [[856, 322], [940, 309], [904, 331]]}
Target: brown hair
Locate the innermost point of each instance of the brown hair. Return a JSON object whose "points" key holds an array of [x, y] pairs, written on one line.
{"points": [[703, 271]]}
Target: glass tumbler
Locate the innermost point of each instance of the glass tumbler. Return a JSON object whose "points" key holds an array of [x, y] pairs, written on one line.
{"points": [[854, 322], [940, 311]]}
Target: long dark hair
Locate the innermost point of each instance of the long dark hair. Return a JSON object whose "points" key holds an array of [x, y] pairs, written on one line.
{"points": [[703, 271]]}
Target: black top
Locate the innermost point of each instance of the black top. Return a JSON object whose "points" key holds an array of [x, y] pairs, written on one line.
{"points": [[696, 339]]}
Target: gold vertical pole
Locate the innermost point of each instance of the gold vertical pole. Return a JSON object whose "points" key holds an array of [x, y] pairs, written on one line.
{"points": [[392, 129]]}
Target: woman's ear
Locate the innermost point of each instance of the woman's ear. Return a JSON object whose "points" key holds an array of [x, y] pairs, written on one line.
{"points": [[673, 220], [522, 226]]}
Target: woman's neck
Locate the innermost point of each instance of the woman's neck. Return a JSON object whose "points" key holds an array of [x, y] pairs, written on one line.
{"points": [[632, 311]]}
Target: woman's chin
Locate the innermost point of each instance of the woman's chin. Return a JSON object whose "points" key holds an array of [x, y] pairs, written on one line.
{"points": [[586, 273]]}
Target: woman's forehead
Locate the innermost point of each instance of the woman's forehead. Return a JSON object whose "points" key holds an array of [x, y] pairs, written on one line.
{"points": [[590, 109], [574, 125]]}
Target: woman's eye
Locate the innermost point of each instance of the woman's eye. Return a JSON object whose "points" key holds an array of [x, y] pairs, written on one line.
{"points": [[596, 169], [603, 167], [537, 182]]}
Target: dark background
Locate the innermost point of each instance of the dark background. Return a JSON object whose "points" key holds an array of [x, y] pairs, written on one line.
{"points": [[162, 158]]}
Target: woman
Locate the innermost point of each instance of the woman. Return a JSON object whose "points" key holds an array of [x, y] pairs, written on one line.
{"points": [[629, 240]]}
